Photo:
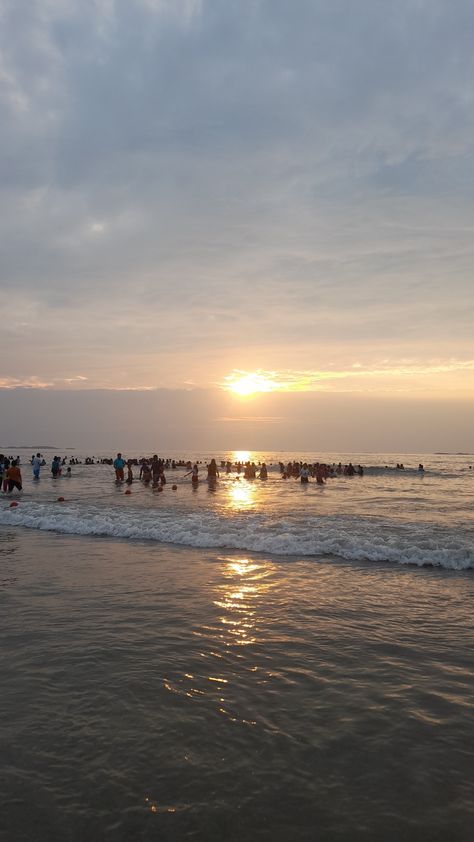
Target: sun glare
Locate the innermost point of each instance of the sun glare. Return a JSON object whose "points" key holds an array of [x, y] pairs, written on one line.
{"points": [[241, 455], [249, 383]]}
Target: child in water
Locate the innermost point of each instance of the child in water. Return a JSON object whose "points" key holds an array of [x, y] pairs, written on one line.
{"points": [[194, 475]]}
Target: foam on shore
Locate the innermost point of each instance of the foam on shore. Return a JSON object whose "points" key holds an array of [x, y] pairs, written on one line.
{"points": [[344, 536]]}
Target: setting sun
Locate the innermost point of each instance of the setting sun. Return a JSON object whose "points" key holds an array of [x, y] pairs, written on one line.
{"points": [[249, 383]]}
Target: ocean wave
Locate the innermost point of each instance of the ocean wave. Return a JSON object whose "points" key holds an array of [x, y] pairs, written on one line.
{"points": [[378, 471], [347, 537]]}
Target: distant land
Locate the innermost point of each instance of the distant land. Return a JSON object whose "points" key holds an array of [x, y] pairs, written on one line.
{"points": [[451, 453], [33, 447]]}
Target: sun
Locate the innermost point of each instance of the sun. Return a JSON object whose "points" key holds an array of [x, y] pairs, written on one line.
{"points": [[245, 383]]}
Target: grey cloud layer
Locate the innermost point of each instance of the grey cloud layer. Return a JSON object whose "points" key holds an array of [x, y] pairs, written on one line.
{"points": [[254, 160]]}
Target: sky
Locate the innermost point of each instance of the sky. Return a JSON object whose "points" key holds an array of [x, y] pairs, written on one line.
{"points": [[255, 213]]}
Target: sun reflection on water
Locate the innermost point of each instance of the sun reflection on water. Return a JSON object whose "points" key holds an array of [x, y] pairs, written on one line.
{"points": [[228, 640], [241, 496], [244, 583], [241, 455]]}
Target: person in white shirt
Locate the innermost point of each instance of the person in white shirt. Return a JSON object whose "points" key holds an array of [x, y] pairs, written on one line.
{"points": [[304, 474], [36, 465]]}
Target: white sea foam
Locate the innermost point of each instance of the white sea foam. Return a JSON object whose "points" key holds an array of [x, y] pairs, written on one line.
{"points": [[347, 537]]}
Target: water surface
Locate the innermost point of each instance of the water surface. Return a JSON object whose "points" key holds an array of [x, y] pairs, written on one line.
{"points": [[155, 692]]}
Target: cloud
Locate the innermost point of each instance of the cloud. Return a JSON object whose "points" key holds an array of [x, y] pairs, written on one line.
{"points": [[403, 375], [252, 419], [190, 179]]}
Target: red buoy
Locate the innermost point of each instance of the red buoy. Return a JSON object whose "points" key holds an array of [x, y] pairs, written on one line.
{"points": [[13, 504], [174, 487], [60, 499], [127, 491]]}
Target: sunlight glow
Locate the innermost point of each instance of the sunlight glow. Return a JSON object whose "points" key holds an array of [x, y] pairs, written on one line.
{"points": [[241, 496], [246, 383], [406, 375], [241, 455]]}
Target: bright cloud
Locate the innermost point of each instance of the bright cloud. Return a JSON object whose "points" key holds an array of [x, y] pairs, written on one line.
{"points": [[416, 376]]}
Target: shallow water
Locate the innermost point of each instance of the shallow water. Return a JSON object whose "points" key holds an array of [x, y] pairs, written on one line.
{"points": [[405, 517], [155, 692]]}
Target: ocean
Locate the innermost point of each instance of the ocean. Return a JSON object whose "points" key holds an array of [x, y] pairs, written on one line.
{"points": [[256, 661]]}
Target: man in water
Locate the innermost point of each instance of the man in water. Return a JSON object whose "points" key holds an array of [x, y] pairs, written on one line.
{"points": [[13, 476], [56, 467], [36, 465], [119, 465]]}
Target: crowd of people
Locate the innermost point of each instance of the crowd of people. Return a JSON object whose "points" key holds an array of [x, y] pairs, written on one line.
{"points": [[320, 471], [151, 470], [10, 470], [10, 474]]}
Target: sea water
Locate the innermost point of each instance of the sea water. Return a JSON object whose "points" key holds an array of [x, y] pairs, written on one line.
{"points": [[258, 661], [402, 516]]}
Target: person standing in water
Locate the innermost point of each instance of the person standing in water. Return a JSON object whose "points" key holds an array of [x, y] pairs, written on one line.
{"points": [[119, 465], [194, 475], [145, 472], [36, 465], [304, 474], [56, 466], [13, 477], [212, 472], [6, 465]]}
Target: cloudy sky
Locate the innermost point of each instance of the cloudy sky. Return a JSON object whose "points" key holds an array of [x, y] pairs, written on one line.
{"points": [[273, 197]]}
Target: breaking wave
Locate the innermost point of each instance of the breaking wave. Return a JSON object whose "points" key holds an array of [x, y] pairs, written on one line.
{"points": [[344, 536]]}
